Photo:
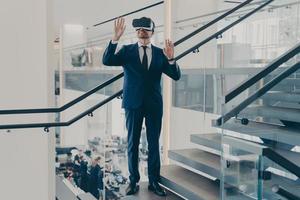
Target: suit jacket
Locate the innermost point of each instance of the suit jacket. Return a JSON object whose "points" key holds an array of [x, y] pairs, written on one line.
{"points": [[140, 85]]}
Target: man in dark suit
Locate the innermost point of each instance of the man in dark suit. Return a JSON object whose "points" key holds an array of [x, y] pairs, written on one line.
{"points": [[143, 65]]}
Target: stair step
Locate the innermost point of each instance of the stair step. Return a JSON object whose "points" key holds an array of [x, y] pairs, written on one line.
{"points": [[210, 140], [290, 82], [291, 186], [290, 155], [197, 159], [282, 96], [286, 105], [271, 132], [191, 185], [214, 140], [202, 161], [287, 114]]}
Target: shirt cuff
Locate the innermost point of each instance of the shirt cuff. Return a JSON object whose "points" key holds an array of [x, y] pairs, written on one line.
{"points": [[172, 62], [114, 42]]}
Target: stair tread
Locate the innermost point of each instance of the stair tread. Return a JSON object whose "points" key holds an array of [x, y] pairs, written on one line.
{"points": [[286, 105], [288, 114], [200, 160], [279, 109], [282, 96], [210, 140], [191, 185], [290, 155], [284, 182], [265, 131], [198, 187], [289, 185], [290, 81], [213, 140]]}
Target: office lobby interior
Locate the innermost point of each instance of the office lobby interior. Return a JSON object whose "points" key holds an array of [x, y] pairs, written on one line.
{"points": [[230, 125]]}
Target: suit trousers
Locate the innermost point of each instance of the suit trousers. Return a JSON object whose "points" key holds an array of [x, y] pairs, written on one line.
{"points": [[134, 121]]}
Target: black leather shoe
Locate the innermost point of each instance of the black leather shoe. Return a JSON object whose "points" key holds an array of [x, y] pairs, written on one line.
{"points": [[155, 187], [132, 189]]}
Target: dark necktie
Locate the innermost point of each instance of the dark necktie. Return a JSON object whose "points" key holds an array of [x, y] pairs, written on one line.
{"points": [[145, 59]]}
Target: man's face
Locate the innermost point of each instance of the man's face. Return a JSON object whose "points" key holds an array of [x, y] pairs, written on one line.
{"points": [[144, 34]]}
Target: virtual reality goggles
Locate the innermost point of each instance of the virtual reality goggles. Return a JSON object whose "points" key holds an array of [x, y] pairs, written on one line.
{"points": [[143, 23]]}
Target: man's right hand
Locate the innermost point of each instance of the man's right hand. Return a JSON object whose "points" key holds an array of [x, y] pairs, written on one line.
{"points": [[119, 28]]}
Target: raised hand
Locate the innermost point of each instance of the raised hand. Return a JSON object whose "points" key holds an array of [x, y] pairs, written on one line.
{"points": [[169, 49], [119, 28]]}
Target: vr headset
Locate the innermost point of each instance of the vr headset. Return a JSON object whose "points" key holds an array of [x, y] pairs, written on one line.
{"points": [[143, 23]]}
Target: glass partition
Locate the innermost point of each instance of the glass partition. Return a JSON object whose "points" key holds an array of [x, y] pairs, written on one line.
{"points": [[101, 137], [241, 170], [270, 119], [214, 70]]}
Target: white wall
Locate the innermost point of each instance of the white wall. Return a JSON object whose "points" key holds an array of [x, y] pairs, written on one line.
{"points": [[25, 81], [73, 34]]}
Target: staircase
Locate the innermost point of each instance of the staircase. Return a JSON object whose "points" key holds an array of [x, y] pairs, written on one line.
{"points": [[249, 156]]}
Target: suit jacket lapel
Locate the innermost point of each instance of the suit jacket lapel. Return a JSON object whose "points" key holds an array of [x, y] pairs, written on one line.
{"points": [[137, 54], [153, 57]]}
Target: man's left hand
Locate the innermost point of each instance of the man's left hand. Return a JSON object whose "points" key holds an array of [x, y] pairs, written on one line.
{"points": [[169, 49]]}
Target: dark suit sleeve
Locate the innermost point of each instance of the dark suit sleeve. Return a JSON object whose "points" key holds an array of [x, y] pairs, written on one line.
{"points": [[171, 70], [110, 58]]}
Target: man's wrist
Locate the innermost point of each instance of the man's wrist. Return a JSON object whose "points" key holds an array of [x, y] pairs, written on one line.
{"points": [[116, 39]]}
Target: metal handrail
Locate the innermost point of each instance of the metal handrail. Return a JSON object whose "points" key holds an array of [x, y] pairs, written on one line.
{"points": [[225, 14], [264, 72], [66, 106], [237, 109], [141, 9], [46, 126], [212, 22], [217, 34]]}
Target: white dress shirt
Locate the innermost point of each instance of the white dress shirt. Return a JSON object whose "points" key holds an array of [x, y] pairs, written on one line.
{"points": [[148, 51]]}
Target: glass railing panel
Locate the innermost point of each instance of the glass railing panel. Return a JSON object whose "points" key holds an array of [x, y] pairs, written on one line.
{"points": [[205, 93], [189, 91], [262, 37], [286, 85], [272, 120], [246, 46], [75, 85], [282, 95], [101, 141], [255, 42], [104, 134], [241, 171]]}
